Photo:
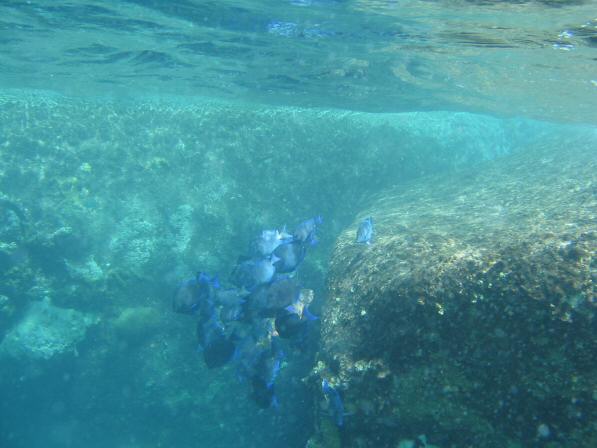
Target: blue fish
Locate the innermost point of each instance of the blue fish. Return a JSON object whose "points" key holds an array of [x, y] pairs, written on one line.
{"points": [[272, 365], [193, 293], [266, 300], [289, 255], [305, 231], [289, 325], [365, 231], [300, 306], [244, 325], [217, 347], [266, 372], [335, 405], [262, 394], [209, 330], [293, 321], [250, 351], [262, 330], [269, 240], [232, 313], [231, 296], [250, 273], [246, 356]]}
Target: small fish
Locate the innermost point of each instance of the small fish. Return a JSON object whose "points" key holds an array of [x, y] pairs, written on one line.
{"points": [[231, 297], [266, 372], [263, 330], [217, 347], [250, 273], [305, 231], [290, 325], [365, 231], [335, 405], [187, 297], [246, 356], [272, 364], [282, 293], [292, 321], [267, 299], [264, 269], [251, 359], [300, 306], [231, 313], [192, 293], [262, 394], [209, 329], [269, 240], [290, 255], [275, 367]]}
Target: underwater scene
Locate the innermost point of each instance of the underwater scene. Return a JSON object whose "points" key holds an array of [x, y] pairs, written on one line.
{"points": [[298, 223]]}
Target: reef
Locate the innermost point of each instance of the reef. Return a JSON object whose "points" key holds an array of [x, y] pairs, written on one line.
{"points": [[472, 316], [45, 332], [105, 205], [99, 198]]}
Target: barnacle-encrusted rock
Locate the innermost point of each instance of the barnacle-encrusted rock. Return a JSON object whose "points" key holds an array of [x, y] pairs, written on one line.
{"points": [[471, 318]]}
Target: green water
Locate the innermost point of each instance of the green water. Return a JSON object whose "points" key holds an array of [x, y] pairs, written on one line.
{"points": [[143, 141]]}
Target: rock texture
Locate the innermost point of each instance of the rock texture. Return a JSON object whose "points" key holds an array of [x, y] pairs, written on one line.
{"points": [[44, 333], [472, 316], [106, 205]]}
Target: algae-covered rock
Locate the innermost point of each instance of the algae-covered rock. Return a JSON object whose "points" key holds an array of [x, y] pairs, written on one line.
{"points": [[127, 194], [44, 332], [135, 324], [471, 317]]}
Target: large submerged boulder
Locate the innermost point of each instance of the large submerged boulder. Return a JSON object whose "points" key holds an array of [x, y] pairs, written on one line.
{"points": [[471, 317]]}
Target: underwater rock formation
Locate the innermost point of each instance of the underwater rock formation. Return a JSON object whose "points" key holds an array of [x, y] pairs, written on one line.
{"points": [[104, 205], [45, 332], [126, 193], [136, 324], [472, 316]]}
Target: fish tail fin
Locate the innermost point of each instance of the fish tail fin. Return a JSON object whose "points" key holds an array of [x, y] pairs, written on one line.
{"points": [[309, 315], [293, 308], [284, 236]]}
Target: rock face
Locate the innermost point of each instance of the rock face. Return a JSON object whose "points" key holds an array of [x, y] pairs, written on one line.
{"points": [[471, 317], [45, 332], [98, 196], [106, 206]]}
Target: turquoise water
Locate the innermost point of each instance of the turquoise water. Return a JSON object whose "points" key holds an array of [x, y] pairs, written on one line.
{"points": [[144, 141], [382, 56]]}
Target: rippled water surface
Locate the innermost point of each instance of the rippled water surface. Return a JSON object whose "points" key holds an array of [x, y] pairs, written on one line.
{"points": [[502, 57]]}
